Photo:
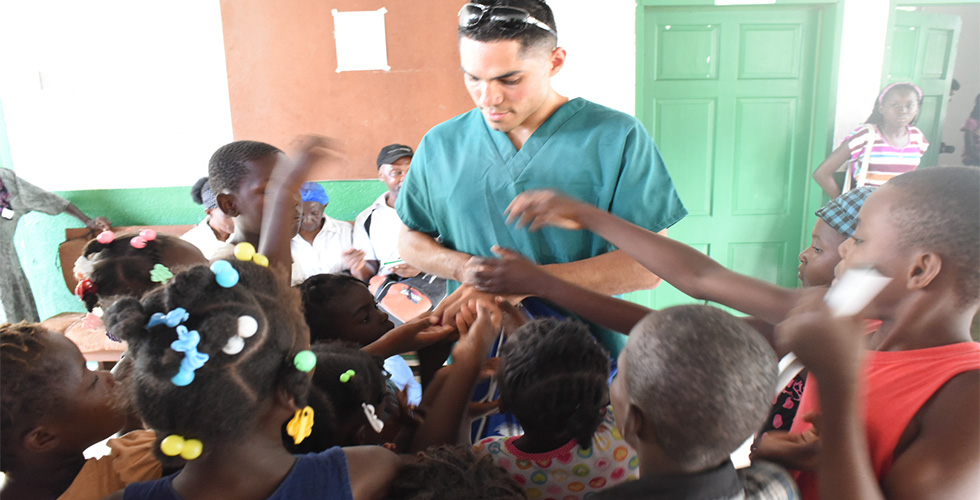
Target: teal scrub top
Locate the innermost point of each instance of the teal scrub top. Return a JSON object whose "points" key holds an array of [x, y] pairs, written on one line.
{"points": [[464, 174]]}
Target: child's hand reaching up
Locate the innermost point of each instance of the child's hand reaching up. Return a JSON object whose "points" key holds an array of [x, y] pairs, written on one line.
{"points": [[831, 347], [477, 332], [542, 208], [412, 336]]}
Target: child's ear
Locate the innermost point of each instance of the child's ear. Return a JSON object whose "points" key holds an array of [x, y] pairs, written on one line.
{"points": [[228, 204], [41, 440], [924, 269], [285, 399], [635, 426]]}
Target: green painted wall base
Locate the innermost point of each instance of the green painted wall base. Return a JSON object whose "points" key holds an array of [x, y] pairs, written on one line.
{"points": [[38, 235]]}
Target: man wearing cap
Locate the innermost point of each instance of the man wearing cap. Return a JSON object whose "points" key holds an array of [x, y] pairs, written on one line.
{"points": [[376, 228], [322, 240], [523, 135]]}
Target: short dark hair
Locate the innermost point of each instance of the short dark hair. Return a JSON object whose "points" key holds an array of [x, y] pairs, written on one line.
{"points": [[317, 292], [703, 379], [554, 377], [446, 472], [26, 381], [227, 168], [529, 36], [940, 211], [220, 403]]}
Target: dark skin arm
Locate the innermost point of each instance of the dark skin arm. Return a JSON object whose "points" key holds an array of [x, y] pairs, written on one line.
{"points": [[477, 335], [824, 174], [687, 269], [513, 272], [940, 461]]}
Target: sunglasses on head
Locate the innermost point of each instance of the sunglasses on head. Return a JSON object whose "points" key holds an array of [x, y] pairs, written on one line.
{"points": [[510, 18]]}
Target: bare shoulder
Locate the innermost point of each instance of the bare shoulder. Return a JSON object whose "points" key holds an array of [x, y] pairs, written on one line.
{"points": [[942, 460], [371, 469]]}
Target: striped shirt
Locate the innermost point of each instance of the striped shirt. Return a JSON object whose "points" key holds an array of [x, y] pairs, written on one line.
{"points": [[887, 160]]}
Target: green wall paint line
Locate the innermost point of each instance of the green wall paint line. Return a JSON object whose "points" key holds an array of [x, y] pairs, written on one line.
{"points": [[38, 235]]}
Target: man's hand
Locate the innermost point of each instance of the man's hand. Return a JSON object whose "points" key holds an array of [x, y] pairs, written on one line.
{"points": [[405, 271], [540, 208], [353, 259], [466, 294]]}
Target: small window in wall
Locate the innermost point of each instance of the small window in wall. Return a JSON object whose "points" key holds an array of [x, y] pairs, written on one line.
{"points": [[361, 44]]}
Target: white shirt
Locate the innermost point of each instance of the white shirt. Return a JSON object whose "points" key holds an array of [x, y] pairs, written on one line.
{"points": [[382, 242], [202, 236], [325, 254]]}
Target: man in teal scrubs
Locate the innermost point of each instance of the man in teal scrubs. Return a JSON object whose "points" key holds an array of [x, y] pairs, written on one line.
{"points": [[523, 135]]}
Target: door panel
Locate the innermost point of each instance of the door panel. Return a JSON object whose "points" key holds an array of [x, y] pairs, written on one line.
{"points": [[727, 93], [923, 51]]}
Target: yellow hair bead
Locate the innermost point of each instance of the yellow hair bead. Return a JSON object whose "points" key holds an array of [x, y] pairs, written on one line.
{"points": [[244, 251], [192, 449], [171, 445], [261, 260]]}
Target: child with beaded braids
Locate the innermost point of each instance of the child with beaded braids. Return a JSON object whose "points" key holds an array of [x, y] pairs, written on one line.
{"points": [[220, 362], [553, 378]]}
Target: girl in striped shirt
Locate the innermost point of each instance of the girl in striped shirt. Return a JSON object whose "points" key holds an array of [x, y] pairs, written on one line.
{"points": [[895, 145]]}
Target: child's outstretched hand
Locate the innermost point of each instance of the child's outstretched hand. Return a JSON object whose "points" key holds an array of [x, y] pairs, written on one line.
{"points": [[540, 208], [831, 347], [416, 334], [512, 274]]}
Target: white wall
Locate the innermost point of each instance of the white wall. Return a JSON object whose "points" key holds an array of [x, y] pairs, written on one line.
{"points": [[601, 51], [113, 93], [862, 57]]}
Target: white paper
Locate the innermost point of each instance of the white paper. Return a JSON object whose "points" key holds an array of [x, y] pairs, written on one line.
{"points": [[854, 290], [361, 43]]}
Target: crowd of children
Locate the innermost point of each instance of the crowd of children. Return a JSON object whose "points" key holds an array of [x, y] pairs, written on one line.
{"points": [[248, 377]]}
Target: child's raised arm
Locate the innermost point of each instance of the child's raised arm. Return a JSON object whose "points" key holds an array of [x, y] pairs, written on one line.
{"points": [[450, 406], [281, 211], [689, 270]]}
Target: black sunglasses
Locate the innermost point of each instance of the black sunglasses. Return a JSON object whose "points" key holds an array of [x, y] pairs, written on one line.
{"points": [[510, 18]]}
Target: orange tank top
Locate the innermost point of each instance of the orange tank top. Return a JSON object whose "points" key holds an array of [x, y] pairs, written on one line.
{"points": [[896, 385]]}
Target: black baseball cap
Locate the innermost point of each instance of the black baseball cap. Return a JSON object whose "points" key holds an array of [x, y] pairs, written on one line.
{"points": [[392, 152]]}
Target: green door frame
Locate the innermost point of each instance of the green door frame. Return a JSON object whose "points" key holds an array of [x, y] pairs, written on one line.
{"points": [[825, 88]]}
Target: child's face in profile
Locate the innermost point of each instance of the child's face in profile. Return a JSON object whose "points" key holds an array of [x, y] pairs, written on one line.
{"points": [[89, 405], [876, 244], [817, 261], [355, 316]]}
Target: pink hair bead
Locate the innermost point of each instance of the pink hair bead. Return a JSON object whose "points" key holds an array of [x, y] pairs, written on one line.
{"points": [[138, 242], [105, 237], [148, 234]]}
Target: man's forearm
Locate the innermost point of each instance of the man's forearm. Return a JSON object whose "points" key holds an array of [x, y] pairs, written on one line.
{"points": [[425, 253], [611, 273]]}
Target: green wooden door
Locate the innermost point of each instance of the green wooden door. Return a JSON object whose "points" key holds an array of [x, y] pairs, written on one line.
{"points": [[728, 95], [922, 51]]}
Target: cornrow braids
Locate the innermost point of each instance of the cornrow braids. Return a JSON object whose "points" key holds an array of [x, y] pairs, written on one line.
{"points": [[317, 292], [554, 379], [220, 403], [25, 385], [341, 400], [453, 472], [227, 167], [118, 268]]}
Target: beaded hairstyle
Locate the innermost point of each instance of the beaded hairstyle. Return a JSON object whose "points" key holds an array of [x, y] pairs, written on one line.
{"points": [[221, 401], [453, 472], [554, 378], [119, 268]]}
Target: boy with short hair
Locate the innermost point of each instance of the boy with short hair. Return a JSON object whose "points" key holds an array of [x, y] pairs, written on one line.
{"points": [[916, 380], [694, 382], [239, 173]]}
